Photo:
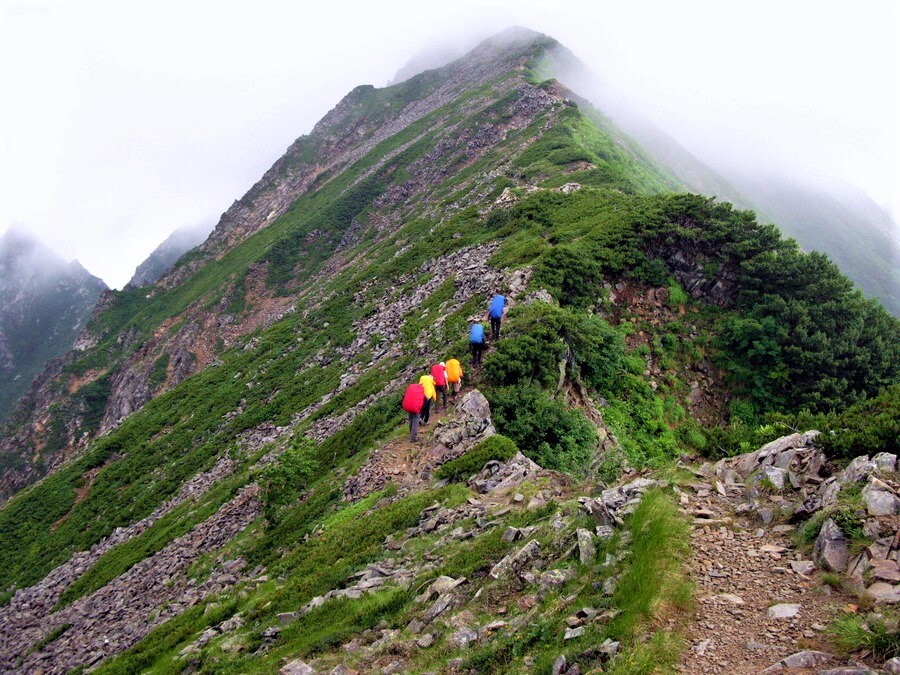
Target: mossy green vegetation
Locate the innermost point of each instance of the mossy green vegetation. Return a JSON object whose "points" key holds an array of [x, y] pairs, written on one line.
{"points": [[494, 448]]}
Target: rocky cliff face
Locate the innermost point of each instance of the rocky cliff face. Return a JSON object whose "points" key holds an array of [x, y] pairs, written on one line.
{"points": [[44, 303]]}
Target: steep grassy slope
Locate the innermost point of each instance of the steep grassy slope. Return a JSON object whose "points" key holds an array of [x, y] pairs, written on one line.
{"points": [[629, 303]]}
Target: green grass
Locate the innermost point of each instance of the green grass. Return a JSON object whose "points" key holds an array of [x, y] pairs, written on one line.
{"points": [[873, 634], [654, 585]]}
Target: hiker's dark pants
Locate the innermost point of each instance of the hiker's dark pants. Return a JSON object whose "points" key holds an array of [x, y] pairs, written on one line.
{"points": [[426, 411], [413, 427], [441, 390], [495, 328], [477, 351]]}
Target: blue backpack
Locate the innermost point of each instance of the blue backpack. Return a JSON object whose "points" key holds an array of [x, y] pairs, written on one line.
{"points": [[477, 333], [497, 305]]}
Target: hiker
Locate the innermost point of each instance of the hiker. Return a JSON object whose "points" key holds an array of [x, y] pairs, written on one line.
{"points": [[454, 377], [413, 402], [476, 342], [495, 313], [439, 375], [427, 382]]}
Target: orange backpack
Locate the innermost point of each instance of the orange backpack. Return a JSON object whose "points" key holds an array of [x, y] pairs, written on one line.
{"points": [[454, 371]]}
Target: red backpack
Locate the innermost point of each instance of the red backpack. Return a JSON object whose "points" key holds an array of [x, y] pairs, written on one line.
{"points": [[439, 374], [414, 399]]}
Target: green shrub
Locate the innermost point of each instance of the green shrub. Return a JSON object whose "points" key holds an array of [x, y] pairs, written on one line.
{"points": [[540, 337], [651, 272], [544, 429], [284, 479], [495, 447], [571, 275]]}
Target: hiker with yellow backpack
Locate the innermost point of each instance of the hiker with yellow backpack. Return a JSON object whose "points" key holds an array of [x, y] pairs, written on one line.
{"points": [[427, 382]]}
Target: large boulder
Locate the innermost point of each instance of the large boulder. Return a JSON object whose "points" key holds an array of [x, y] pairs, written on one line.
{"points": [[471, 424], [831, 551], [501, 476], [880, 498], [792, 460]]}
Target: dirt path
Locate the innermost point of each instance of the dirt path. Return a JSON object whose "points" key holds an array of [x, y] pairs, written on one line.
{"points": [[400, 461], [742, 570]]}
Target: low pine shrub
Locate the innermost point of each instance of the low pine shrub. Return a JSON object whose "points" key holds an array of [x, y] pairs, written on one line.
{"points": [[496, 447]]}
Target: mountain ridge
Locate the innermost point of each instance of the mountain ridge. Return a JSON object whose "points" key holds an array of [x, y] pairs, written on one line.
{"points": [[229, 460]]}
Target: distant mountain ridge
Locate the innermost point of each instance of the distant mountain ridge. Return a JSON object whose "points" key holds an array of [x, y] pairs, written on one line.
{"points": [[167, 253], [44, 303]]}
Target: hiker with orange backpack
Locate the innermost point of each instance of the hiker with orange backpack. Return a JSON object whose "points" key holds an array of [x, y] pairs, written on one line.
{"points": [[454, 377], [427, 382], [439, 375], [413, 403]]}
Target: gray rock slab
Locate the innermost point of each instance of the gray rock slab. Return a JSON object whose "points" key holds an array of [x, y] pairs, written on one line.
{"points": [[831, 550], [783, 611]]}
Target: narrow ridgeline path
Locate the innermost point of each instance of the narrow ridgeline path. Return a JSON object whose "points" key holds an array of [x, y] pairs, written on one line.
{"points": [[761, 605]]}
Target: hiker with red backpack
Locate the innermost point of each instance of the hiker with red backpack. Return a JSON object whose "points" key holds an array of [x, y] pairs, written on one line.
{"points": [[439, 375], [413, 403]]}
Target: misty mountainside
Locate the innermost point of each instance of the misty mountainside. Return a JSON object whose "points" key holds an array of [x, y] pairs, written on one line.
{"points": [[841, 221], [44, 303], [219, 476], [838, 220], [167, 253]]}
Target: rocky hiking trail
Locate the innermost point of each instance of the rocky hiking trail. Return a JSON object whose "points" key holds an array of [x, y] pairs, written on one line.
{"points": [[758, 601]]}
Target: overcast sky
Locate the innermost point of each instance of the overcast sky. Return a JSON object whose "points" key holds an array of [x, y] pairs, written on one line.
{"points": [[124, 121]]}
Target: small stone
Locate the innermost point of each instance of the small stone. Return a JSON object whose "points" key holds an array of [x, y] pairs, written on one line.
{"points": [[425, 641], [831, 550], [297, 667], [574, 621], [609, 586], [884, 592], [807, 659], [560, 666], [609, 647], [892, 665], [730, 597], [463, 637], [700, 648], [572, 633], [586, 550], [783, 611], [803, 566], [512, 534]]}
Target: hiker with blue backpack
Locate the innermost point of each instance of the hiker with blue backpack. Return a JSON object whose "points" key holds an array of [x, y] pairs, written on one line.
{"points": [[495, 314], [476, 342]]}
